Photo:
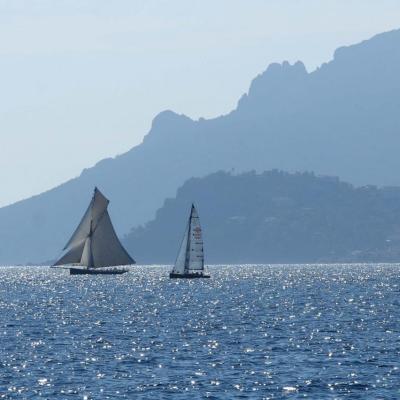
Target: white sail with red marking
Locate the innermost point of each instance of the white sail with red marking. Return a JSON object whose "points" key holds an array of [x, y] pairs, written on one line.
{"points": [[190, 258]]}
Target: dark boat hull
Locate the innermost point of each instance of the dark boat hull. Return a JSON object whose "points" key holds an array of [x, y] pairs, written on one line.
{"points": [[83, 271], [188, 276]]}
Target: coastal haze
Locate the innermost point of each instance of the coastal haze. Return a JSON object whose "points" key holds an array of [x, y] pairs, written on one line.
{"points": [[82, 80], [340, 120]]}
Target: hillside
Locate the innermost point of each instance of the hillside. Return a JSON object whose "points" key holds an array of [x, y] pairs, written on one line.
{"points": [[341, 120], [276, 217]]}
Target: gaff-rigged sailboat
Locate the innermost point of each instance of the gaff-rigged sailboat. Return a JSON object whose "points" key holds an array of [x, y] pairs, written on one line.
{"points": [[95, 245], [190, 260]]}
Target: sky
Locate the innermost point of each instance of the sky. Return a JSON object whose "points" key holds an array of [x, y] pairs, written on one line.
{"points": [[81, 80]]}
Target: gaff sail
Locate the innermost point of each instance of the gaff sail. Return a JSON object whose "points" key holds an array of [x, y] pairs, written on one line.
{"points": [[94, 243]]}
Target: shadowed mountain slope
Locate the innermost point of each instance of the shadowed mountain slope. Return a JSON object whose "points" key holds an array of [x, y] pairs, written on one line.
{"points": [[276, 217], [341, 119]]}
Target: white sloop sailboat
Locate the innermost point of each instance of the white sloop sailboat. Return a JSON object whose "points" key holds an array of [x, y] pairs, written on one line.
{"points": [[94, 244], [190, 260]]}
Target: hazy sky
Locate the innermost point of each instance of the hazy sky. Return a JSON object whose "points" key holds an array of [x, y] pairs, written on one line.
{"points": [[82, 79]]}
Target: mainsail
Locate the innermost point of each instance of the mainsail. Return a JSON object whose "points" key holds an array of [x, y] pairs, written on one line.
{"points": [[94, 243], [191, 254]]}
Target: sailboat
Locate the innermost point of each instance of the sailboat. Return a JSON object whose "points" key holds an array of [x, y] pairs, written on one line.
{"points": [[190, 260], [94, 245]]}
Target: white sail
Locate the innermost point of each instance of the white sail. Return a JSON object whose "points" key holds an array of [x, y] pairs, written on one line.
{"points": [[82, 231], [180, 262], [97, 207], [73, 255], [87, 256], [195, 249], [191, 254], [107, 250], [94, 243]]}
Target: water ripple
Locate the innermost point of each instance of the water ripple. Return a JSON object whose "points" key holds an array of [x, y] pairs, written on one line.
{"points": [[257, 332]]}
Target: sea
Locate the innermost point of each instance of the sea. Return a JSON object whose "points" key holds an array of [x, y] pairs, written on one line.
{"points": [[249, 332]]}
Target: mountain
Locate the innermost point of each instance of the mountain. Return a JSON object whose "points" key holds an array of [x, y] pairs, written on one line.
{"points": [[276, 217], [341, 119]]}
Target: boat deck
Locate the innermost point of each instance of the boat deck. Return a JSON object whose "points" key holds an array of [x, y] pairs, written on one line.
{"points": [[188, 276], [95, 271]]}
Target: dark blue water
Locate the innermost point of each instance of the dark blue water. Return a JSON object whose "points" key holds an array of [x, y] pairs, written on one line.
{"points": [[257, 332]]}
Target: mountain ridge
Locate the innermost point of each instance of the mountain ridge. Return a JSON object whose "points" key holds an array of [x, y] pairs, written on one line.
{"points": [[340, 119], [276, 217]]}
